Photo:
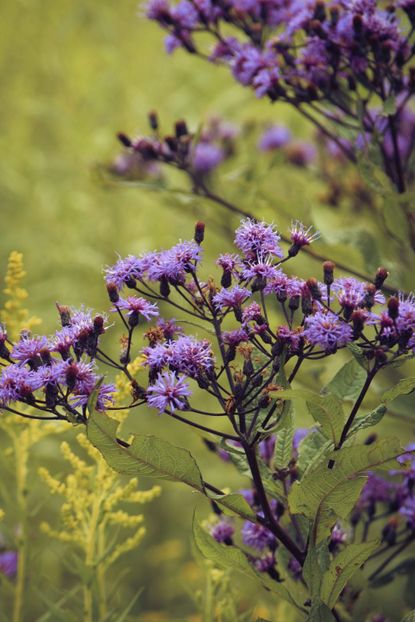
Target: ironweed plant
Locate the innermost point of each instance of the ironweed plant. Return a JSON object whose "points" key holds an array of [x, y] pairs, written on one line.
{"points": [[322, 501], [347, 67]]}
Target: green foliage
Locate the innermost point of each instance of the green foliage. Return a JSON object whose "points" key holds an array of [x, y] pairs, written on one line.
{"points": [[403, 387], [342, 568], [147, 456], [326, 410], [325, 494], [348, 381]]}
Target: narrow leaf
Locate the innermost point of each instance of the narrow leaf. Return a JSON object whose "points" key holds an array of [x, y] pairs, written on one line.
{"points": [[404, 387], [342, 568]]}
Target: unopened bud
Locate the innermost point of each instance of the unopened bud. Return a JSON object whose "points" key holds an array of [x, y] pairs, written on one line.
{"points": [[181, 128], [124, 140], [393, 307], [381, 276], [328, 270], [314, 289], [64, 313], [113, 294], [153, 120], [199, 232]]}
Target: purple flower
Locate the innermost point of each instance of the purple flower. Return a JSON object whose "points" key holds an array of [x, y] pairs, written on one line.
{"points": [[301, 153], [300, 236], [29, 348], [137, 306], [252, 313], [18, 383], [234, 337], [222, 531], [265, 563], [274, 137], [8, 563], [158, 355], [326, 330], [206, 157], [174, 263], [105, 397], [406, 318], [125, 271], [408, 511], [256, 536], [190, 356], [260, 270], [257, 239], [170, 328], [266, 449], [229, 263], [351, 293], [232, 297], [63, 340], [169, 391]]}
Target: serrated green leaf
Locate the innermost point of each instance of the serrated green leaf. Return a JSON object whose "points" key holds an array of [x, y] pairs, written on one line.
{"points": [[320, 613], [358, 354], [404, 387], [147, 456], [315, 565], [233, 558], [342, 568], [369, 420], [234, 503], [327, 410], [284, 446], [389, 106], [348, 381], [324, 494]]}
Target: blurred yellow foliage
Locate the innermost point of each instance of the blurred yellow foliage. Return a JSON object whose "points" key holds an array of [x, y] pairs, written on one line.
{"points": [[14, 314]]}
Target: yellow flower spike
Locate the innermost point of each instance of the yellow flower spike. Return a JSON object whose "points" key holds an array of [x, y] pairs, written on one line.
{"points": [[77, 463], [1, 514], [128, 545], [124, 519], [13, 314], [55, 485], [144, 496]]}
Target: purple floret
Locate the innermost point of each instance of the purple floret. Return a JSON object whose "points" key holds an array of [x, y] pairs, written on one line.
{"points": [[232, 297], [222, 531], [206, 157], [169, 391], [256, 536], [18, 383], [8, 563], [274, 137], [257, 240], [139, 306], [326, 330], [28, 348]]}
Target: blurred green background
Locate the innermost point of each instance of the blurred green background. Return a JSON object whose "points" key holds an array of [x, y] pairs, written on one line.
{"points": [[73, 73]]}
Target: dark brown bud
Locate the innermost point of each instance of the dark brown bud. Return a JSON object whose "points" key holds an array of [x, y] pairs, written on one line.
{"points": [[393, 307], [371, 439], [99, 325], [312, 285], [164, 288], [181, 128], [113, 294], [124, 140], [153, 120], [358, 318], [226, 280], [294, 303], [171, 142], [64, 313], [137, 392], [381, 276], [199, 232], [328, 270]]}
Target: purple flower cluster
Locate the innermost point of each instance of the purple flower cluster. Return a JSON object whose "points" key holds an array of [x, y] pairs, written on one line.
{"points": [[306, 51]]}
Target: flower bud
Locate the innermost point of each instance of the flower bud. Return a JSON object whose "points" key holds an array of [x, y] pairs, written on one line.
{"points": [[181, 128], [393, 307], [294, 303], [328, 270], [314, 289], [113, 292], [199, 232], [64, 313], [124, 140], [164, 287], [153, 120], [381, 276]]}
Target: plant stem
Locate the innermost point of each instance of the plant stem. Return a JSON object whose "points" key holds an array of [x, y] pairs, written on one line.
{"points": [[21, 457], [356, 407], [276, 529]]}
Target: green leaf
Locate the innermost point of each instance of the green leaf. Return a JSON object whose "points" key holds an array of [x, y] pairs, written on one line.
{"points": [[369, 420], [327, 410], [389, 106], [358, 354], [395, 219], [233, 558], [235, 504], [342, 568], [324, 495], [348, 381], [316, 563], [284, 446], [146, 456], [404, 387], [320, 613], [311, 449]]}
